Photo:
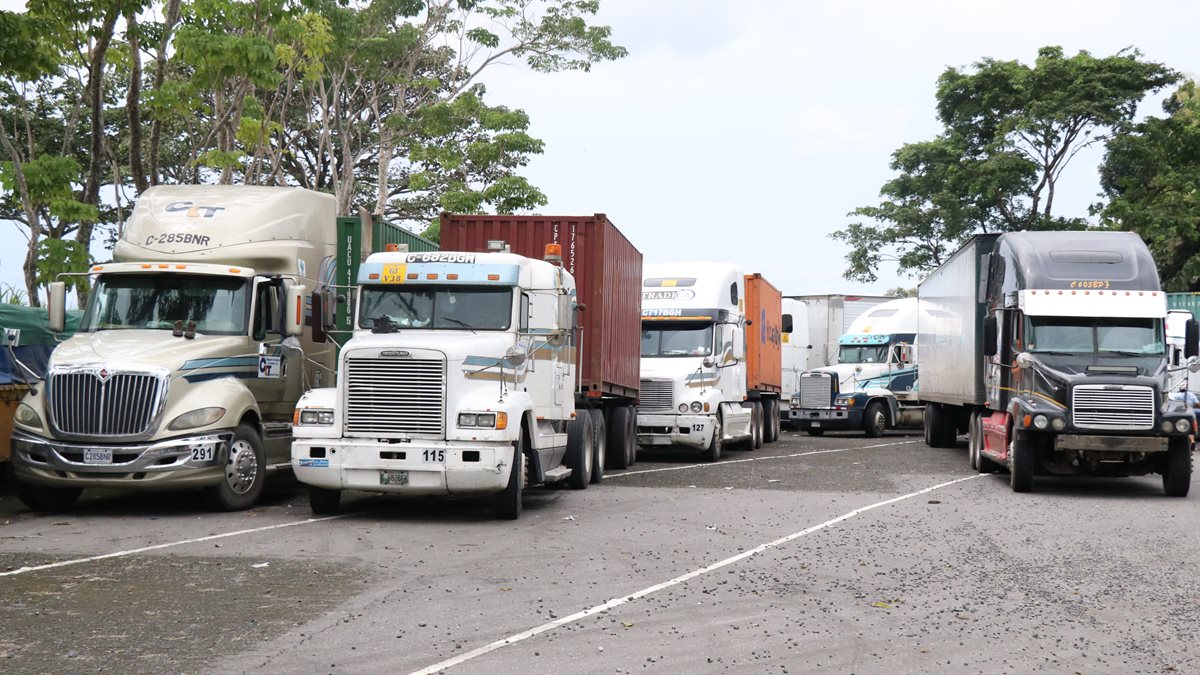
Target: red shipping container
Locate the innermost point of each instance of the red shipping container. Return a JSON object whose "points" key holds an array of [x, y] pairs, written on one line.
{"points": [[764, 333], [608, 281]]}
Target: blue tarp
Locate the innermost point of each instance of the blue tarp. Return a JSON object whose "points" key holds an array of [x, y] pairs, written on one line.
{"points": [[28, 328]]}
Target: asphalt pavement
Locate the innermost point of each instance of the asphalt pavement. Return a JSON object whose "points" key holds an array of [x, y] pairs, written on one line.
{"points": [[830, 554]]}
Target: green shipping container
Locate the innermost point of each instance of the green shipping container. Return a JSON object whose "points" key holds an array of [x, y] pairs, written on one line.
{"points": [[1188, 301]]}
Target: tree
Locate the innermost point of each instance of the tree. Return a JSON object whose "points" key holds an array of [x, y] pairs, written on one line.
{"points": [[1151, 176], [1009, 132], [900, 292]]}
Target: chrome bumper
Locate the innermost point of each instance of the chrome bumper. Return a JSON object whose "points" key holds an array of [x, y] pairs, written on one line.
{"points": [[166, 463]]}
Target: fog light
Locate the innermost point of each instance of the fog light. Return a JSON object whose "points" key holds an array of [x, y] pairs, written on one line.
{"points": [[1040, 421], [1059, 424], [697, 406], [1183, 425], [683, 407], [1166, 426]]}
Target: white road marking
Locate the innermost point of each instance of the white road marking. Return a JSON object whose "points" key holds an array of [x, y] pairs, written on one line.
{"points": [[616, 602], [135, 551], [752, 459]]}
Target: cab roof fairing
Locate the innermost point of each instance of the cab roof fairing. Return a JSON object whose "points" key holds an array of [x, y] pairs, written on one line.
{"points": [[707, 286], [1056, 260]]}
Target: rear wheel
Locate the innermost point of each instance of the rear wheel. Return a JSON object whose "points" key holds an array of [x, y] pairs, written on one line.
{"points": [[713, 452], [874, 420], [974, 439], [44, 498], [245, 472], [1021, 461], [599, 445], [579, 451], [323, 501], [756, 425], [633, 442], [618, 438], [934, 425], [770, 420], [508, 500], [1177, 477]]}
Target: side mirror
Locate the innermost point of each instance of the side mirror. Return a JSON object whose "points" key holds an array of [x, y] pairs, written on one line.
{"points": [[708, 362], [1193, 364], [1191, 345], [1024, 360], [989, 335], [58, 306], [514, 356], [293, 315]]}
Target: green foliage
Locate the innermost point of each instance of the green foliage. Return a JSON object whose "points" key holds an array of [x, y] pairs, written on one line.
{"points": [[1009, 132], [24, 52], [901, 292], [63, 256], [50, 180], [11, 295], [1151, 175]]}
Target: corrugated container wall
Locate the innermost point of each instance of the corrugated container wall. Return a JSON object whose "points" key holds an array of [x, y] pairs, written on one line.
{"points": [[764, 330], [608, 279], [1188, 301]]}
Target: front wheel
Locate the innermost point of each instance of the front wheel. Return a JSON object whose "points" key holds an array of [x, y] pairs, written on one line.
{"points": [[508, 500], [874, 420], [713, 452], [1021, 461], [48, 499], [245, 472], [1177, 477]]}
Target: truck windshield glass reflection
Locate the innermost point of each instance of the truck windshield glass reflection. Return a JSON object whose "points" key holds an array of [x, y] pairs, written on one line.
{"points": [[156, 301], [678, 339], [1091, 335], [386, 310]]}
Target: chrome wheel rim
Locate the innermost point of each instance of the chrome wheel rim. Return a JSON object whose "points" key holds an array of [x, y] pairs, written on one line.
{"points": [[242, 467]]}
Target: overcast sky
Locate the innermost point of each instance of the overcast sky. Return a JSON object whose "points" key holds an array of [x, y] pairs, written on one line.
{"points": [[745, 131]]}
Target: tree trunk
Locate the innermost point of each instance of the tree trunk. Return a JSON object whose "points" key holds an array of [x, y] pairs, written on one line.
{"points": [[160, 71], [133, 106], [35, 226]]}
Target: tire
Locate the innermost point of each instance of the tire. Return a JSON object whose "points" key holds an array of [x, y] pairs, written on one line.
{"points": [[713, 452], [1177, 477], [599, 446], [1021, 461], [756, 425], [323, 501], [245, 472], [45, 498], [874, 420], [974, 442], [815, 432], [633, 443], [934, 425], [618, 439], [579, 451], [770, 420], [508, 500]]}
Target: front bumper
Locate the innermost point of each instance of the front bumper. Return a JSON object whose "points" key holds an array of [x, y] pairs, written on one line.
{"points": [[694, 431], [157, 464], [826, 418], [421, 467]]}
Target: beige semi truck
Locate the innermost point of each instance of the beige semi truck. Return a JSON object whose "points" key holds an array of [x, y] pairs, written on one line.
{"points": [[192, 352]]}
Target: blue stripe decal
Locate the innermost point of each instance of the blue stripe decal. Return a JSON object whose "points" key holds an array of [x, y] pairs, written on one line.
{"points": [[205, 377], [224, 362]]}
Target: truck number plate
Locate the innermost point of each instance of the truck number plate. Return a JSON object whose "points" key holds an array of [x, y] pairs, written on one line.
{"points": [[97, 456], [393, 478], [204, 453], [815, 424], [393, 274]]}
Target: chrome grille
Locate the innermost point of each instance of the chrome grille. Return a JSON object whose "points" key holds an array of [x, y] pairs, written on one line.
{"points": [[816, 390], [102, 403], [656, 395], [395, 396], [1116, 407]]}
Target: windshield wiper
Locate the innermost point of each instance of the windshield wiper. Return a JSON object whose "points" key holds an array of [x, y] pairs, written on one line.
{"points": [[461, 323], [1123, 352]]}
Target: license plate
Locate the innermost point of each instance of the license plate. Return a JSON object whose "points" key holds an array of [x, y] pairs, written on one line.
{"points": [[393, 478], [97, 456], [815, 424], [206, 453]]}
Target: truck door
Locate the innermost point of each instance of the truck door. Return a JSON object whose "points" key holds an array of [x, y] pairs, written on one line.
{"points": [[277, 386]]}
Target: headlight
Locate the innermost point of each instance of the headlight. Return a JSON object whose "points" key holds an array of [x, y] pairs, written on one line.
{"points": [[1040, 421], [316, 417], [844, 400], [1059, 424], [683, 407], [27, 416], [697, 406], [200, 417], [490, 420], [1166, 426], [1183, 425]]}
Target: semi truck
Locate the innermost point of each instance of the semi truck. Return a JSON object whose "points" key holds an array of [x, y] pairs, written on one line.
{"points": [[711, 364], [1048, 349], [482, 370], [872, 385], [191, 353]]}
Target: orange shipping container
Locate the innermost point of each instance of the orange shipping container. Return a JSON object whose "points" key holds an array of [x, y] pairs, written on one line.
{"points": [[764, 332]]}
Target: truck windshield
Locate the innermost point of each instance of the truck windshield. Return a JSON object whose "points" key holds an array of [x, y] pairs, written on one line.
{"points": [[157, 301], [862, 354], [1091, 335], [385, 309], [677, 339]]}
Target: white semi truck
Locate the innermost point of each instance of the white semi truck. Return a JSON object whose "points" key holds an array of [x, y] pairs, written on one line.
{"points": [[459, 380], [872, 386], [186, 367], [711, 363]]}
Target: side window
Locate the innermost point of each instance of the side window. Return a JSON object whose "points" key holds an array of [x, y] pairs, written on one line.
{"points": [[787, 323], [523, 317], [266, 311], [733, 296]]}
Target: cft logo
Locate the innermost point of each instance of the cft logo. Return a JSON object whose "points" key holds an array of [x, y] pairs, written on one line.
{"points": [[193, 210]]}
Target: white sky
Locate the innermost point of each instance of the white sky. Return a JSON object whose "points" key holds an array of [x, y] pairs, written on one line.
{"points": [[745, 131]]}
